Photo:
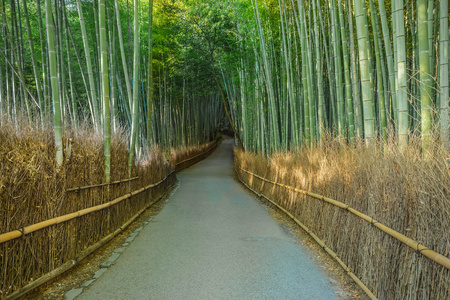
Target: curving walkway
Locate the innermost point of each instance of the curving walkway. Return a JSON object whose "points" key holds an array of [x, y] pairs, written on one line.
{"points": [[212, 241]]}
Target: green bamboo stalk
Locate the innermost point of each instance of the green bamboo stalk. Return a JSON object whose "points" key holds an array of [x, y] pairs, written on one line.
{"points": [[33, 61], [309, 74], [150, 74], [69, 66], [2, 88], [369, 122], [429, 16], [87, 54], [380, 87], [127, 103], [274, 124], [337, 68], [319, 68], [444, 69], [348, 86], [307, 109], [112, 59], [357, 101], [332, 91], [44, 62], [54, 83], [105, 89], [135, 106], [83, 76], [425, 78], [402, 97], [61, 62]]}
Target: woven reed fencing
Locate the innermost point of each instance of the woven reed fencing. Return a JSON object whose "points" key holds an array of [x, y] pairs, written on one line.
{"points": [[379, 239], [81, 211]]}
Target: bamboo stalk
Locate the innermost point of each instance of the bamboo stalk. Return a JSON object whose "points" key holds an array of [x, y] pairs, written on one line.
{"points": [[434, 256]]}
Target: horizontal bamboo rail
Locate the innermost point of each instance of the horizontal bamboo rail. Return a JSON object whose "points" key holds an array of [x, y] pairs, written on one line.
{"points": [[194, 157], [347, 270], [8, 236], [73, 262], [419, 248], [69, 264], [41, 225], [77, 189]]}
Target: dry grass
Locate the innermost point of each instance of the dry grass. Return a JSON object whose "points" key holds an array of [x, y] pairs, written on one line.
{"points": [[400, 190], [179, 156], [32, 190]]}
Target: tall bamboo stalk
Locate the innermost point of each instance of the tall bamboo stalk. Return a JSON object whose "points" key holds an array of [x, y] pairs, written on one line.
{"points": [[380, 86], [402, 96], [369, 122], [87, 54], [135, 106], [54, 83], [348, 87], [425, 78], [150, 74], [444, 69], [105, 89], [33, 60]]}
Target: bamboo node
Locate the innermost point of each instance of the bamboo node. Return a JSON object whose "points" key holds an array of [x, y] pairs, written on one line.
{"points": [[418, 251]]}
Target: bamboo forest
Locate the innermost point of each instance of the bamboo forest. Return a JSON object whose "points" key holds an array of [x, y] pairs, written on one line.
{"points": [[104, 102]]}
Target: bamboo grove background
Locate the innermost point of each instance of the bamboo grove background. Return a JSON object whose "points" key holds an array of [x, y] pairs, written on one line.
{"points": [[355, 69], [286, 75], [287, 71], [68, 63]]}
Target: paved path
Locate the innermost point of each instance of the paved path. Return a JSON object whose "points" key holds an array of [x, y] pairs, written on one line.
{"points": [[212, 241]]}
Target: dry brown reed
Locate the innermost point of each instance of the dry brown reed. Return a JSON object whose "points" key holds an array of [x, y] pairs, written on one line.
{"points": [[401, 190], [182, 157], [33, 190]]}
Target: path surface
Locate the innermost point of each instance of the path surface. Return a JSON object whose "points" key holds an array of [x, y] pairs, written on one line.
{"points": [[212, 241]]}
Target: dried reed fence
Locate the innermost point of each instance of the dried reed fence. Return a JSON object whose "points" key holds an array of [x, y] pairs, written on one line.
{"points": [[185, 157], [401, 191], [33, 191]]}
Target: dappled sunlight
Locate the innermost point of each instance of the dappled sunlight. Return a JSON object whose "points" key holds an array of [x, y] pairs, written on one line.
{"points": [[399, 189]]}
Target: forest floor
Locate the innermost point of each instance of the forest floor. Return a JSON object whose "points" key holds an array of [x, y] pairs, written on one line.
{"points": [[210, 240]]}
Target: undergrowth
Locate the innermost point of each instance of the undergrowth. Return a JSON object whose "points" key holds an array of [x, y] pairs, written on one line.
{"points": [[399, 189], [32, 190]]}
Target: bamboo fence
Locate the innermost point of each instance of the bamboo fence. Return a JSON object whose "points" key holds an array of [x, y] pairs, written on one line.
{"points": [[347, 270], [373, 252], [34, 254], [421, 249]]}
